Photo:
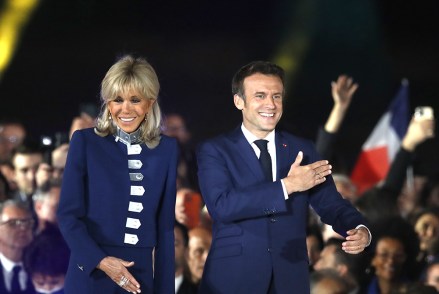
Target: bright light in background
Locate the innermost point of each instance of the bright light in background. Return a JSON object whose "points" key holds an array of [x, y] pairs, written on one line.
{"points": [[14, 15], [298, 35]]}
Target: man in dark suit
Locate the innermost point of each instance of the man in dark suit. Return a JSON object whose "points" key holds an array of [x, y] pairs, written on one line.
{"points": [[259, 206], [16, 225]]}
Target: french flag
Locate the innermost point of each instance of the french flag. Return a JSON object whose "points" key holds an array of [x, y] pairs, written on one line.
{"points": [[380, 148]]}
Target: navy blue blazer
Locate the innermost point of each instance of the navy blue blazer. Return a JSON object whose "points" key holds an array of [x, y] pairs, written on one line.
{"points": [[256, 232], [96, 203]]}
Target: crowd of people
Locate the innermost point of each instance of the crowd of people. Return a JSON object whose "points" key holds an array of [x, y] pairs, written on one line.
{"points": [[401, 213]]}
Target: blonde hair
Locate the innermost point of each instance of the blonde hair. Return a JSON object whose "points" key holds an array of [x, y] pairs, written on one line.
{"points": [[130, 73]]}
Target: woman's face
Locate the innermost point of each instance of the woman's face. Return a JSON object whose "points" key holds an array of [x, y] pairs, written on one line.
{"points": [[129, 110], [427, 228], [389, 258]]}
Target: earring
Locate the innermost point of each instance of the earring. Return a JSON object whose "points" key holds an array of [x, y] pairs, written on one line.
{"points": [[109, 116], [146, 116]]}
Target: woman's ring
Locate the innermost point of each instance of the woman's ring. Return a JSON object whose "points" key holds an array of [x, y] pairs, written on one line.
{"points": [[123, 281]]}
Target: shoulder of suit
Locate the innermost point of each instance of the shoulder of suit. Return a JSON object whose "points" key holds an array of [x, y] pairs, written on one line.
{"points": [[289, 136]]}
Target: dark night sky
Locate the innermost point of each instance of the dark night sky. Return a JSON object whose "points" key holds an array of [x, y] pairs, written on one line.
{"points": [[196, 46]]}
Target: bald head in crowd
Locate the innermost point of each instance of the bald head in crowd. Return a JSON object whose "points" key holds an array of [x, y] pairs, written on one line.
{"points": [[200, 240]]}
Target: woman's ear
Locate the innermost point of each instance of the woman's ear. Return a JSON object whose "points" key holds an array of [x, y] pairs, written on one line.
{"points": [[239, 101]]}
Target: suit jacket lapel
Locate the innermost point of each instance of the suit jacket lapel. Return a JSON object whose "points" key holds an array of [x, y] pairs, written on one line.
{"points": [[246, 153]]}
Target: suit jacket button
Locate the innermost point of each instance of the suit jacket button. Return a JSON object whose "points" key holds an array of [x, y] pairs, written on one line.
{"points": [[269, 249]]}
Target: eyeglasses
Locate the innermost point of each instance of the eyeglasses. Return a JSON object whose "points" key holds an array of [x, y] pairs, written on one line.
{"points": [[26, 223], [398, 257]]}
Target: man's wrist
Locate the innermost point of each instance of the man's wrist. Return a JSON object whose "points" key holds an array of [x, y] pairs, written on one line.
{"points": [[368, 232]]}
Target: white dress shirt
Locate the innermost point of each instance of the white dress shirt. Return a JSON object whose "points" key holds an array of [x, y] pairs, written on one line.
{"points": [[8, 265], [271, 146]]}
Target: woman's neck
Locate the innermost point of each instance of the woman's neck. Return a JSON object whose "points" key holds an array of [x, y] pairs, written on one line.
{"points": [[128, 138]]}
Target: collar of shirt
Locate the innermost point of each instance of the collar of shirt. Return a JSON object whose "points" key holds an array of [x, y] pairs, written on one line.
{"points": [[8, 264], [271, 146], [178, 282]]}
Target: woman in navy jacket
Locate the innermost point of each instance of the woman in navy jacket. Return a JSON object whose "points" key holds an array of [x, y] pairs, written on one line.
{"points": [[117, 202]]}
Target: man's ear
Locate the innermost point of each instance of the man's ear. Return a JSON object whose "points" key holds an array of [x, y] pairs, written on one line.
{"points": [[239, 101]]}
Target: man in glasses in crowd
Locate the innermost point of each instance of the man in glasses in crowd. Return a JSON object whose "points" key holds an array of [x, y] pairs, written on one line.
{"points": [[16, 226]]}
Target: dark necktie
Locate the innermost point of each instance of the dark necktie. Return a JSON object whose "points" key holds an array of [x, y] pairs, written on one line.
{"points": [[265, 159], [15, 284]]}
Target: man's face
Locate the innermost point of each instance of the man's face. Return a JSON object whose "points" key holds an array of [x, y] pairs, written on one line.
{"points": [[46, 208], [327, 259], [11, 136], [427, 228], [15, 229], [180, 249], [389, 258], [199, 246], [175, 127], [43, 174], [26, 166], [59, 158], [262, 107]]}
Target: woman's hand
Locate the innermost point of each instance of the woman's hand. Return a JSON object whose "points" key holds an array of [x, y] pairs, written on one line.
{"points": [[117, 270]]}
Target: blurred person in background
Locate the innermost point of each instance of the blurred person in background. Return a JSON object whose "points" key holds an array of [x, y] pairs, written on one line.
{"points": [[409, 198], [88, 113], [188, 205], [200, 240], [26, 159], [426, 224], [59, 159], [342, 92], [430, 192], [5, 192], [352, 268], [44, 170], [394, 252], [314, 244], [183, 281], [46, 260], [432, 275], [16, 224], [53, 164], [7, 170], [12, 135], [46, 202], [327, 281], [175, 126]]}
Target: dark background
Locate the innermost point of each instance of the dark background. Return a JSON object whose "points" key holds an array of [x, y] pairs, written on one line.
{"points": [[196, 46]]}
